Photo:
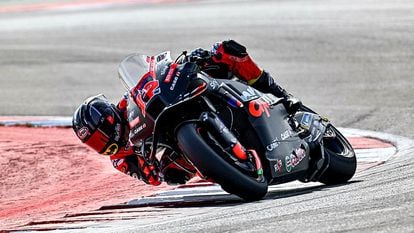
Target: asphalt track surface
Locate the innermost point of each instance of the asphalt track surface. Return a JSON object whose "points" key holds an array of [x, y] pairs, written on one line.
{"points": [[350, 60]]}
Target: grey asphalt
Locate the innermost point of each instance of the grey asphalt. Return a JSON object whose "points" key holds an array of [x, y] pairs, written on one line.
{"points": [[352, 61], [377, 200]]}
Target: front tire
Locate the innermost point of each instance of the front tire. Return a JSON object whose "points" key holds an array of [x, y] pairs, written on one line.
{"points": [[209, 162], [341, 157]]}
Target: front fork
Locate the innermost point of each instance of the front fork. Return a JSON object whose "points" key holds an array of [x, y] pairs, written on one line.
{"points": [[228, 141]]}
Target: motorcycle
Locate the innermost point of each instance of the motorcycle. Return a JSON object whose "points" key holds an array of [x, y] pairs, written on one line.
{"points": [[226, 131]]}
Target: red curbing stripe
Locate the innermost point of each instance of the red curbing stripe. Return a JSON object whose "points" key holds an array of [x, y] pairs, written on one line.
{"points": [[73, 4], [357, 142], [368, 143]]}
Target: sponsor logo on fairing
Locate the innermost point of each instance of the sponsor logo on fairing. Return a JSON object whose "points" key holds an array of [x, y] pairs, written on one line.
{"points": [[275, 143], [285, 135], [174, 83], [249, 94], [292, 160], [278, 166], [170, 72], [270, 99], [258, 107], [140, 128]]}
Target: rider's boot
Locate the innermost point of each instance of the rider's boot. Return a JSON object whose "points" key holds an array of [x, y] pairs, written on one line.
{"points": [[267, 84]]}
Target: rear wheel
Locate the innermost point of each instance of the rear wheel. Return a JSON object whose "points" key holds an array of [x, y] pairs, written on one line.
{"points": [[341, 157], [214, 163]]}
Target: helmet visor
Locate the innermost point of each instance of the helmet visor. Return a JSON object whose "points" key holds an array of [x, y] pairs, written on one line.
{"points": [[106, 139], [98, 141]]}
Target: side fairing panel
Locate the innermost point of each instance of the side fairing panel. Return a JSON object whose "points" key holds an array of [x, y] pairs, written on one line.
{"points": [[286, 153], [140, 126]]}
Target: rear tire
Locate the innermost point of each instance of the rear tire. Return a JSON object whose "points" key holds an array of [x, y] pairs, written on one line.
{"points": [[209, 162], [342, 160]]}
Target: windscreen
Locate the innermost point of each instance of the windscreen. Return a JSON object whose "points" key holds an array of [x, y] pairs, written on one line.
{"points": [[137, 66]]}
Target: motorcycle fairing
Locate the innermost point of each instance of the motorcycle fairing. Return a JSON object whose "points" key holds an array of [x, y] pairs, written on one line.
{"points": [[140, 126], [278, 139], [270, 120], [314, 130], [154, 99]]}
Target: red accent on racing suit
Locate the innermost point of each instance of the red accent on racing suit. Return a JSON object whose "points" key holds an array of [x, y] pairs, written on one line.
{"points": [[128, 161]]}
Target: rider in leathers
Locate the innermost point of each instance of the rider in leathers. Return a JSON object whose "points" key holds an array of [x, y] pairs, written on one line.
{"points": [[104, 127]]}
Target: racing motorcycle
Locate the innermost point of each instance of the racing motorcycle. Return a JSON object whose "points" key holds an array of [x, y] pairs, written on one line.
{"points": [[226, 131]]}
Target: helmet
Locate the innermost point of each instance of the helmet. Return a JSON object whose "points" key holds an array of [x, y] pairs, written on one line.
{"points": [[98, 124]]}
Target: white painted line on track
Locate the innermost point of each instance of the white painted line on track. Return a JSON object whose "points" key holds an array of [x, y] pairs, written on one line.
{"points": [[400, 142], [36, 121], [375, 155]]}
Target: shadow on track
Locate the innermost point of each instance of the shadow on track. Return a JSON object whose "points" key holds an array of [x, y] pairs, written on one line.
{"points": [[217, 200], [278, 194]]}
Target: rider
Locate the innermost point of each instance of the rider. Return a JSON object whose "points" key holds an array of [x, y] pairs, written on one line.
{"points": [[104, 127]]}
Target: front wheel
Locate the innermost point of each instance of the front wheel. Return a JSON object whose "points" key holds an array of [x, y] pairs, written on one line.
{"points": [[341, 156], [210, 161]]}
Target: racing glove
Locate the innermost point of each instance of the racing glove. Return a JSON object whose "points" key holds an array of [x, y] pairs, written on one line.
{"points": [[149, 172], [137, 167], [239, 62]]}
